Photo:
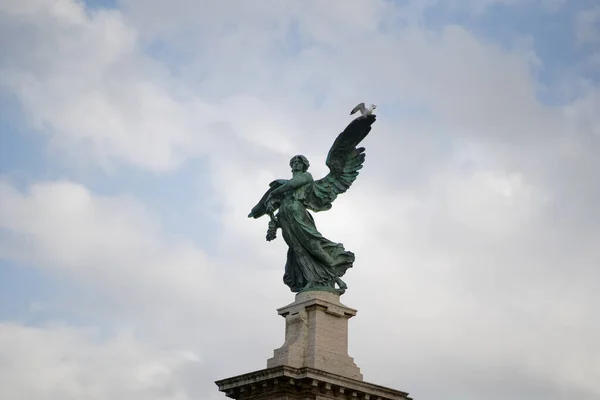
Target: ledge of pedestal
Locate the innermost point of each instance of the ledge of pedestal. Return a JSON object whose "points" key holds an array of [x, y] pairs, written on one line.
{"points": [[302, 383], [317, 298]]}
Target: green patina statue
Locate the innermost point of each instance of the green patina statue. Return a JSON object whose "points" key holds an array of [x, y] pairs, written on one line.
{"points": [[314, 262]]}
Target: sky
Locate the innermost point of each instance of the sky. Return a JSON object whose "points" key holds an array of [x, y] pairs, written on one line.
{"points": [[136, 135]]}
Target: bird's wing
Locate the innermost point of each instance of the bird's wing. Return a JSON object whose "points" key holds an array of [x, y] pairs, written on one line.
{"points": [[359, 107]]}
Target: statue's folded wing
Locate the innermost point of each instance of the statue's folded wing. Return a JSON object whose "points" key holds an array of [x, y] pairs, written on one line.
{"points": [[260, 208], [344, 160]]}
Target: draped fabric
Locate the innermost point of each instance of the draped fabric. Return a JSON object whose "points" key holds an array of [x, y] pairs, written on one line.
{"points": [[312, 260]]}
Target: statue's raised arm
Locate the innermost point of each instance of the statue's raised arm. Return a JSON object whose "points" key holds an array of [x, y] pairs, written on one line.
{"points": [[314, 262]]}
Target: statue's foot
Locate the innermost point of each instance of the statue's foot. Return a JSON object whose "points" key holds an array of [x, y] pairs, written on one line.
{"points": [[326, 286], [341, 284]]}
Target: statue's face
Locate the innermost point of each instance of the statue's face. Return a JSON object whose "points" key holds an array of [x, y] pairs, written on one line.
{"points": [[297, 164]]}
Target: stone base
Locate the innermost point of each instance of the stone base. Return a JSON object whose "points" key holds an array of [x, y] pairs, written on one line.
{"points": [[316, 335], [288, 383]]}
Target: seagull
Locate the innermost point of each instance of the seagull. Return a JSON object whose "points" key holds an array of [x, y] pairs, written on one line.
{"points": [[364, 110]]}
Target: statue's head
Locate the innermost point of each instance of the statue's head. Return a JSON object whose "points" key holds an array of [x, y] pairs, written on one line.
{"points": [[299, 163], [373, 106]]}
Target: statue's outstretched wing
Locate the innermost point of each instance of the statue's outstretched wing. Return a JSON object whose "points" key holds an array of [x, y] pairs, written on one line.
{"points": [[260, 208], [344, 160]]}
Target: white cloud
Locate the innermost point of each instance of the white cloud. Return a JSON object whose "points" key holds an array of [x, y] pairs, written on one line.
{"points": [[85, 82], [59, 362], [113, 241]]}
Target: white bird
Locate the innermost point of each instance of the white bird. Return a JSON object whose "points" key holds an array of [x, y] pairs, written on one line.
{"points": [[364, 110]]}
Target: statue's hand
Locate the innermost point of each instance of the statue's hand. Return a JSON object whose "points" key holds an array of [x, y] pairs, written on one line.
{"points": [[270, 205]]}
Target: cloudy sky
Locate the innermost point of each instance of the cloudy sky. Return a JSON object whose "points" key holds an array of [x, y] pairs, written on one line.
{"points": [[136, 135]]}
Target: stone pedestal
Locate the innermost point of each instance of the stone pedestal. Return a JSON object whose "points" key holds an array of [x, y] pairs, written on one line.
{"points": [[316, 335], [313, 363]]}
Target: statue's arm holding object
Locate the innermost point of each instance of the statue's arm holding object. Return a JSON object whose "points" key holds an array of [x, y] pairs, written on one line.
{"points": [[298, 180]]}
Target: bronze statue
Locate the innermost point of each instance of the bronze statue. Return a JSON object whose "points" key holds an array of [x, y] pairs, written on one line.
{"points": [[314, 262]]}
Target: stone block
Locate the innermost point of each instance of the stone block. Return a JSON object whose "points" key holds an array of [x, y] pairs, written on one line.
{"points": [[316, 335]]}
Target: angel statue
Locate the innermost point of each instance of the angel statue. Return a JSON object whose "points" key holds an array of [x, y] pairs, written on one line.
{"points": [[314, 262]]}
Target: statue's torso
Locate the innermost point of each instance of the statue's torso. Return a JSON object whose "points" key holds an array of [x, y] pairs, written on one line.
{"points": [[293, 201]]}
